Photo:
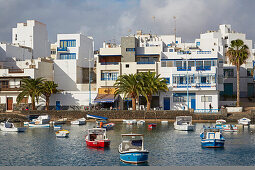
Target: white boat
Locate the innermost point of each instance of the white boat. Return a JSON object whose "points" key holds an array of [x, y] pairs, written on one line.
{"points": [[164, 122], [229, 128], [9, 127], [25, 123], [129, 122], [244, 121], [43, 119], [60, 121], [62, 133], [80, 121], [184, 123], [33, 125], [57, 127], [141, 122], [220, 123]]}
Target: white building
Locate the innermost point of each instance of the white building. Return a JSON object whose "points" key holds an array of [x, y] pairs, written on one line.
{"points": [[32, 34], [71, 70], [11, 74], [219, 41]]}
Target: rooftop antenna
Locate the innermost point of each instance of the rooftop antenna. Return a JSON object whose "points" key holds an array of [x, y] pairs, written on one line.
{"points": [[174, 29]]}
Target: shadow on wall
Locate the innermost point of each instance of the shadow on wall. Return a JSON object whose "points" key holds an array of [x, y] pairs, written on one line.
{"points": [[63, 80], [67, 101]]}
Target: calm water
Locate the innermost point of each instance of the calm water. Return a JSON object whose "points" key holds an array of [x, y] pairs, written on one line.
{"points": [[168, 147]]}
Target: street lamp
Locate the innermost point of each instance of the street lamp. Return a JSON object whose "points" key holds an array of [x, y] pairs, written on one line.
{"points": [[89, 81]]}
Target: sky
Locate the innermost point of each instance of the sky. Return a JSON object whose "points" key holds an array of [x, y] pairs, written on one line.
{"points": [[108, 20]]}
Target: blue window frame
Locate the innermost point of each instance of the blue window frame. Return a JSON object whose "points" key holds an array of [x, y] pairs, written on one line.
{"points": [[130, 49], [67, 43], [167, 80], [109, 76], [198, 43], [67, 56]]}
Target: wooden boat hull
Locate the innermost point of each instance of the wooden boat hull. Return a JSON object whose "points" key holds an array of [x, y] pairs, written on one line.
{"points": [[134, 157], [98, 143], [212, 143]]}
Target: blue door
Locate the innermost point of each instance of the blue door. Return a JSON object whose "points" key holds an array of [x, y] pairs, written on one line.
{"points": [[166, 103], [57, 105], [193, 104], [228, 89]]}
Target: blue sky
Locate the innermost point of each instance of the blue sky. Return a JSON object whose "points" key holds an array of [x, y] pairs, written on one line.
{"points": [[108, 20]]}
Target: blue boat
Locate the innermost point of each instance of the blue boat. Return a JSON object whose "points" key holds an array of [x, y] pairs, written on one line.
{"points": [[96, 117], [132, 149], [212, 138]]}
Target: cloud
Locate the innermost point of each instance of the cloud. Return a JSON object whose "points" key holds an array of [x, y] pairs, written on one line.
{"points": [[111, 19]]}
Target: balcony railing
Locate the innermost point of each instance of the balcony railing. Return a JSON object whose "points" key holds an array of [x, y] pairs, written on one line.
{"points": [[195, 85], [62, 48], [16, 70], [9, 88], [204, 52], [203, 68], [146, 62], [109, 63], [108, 79], [183, 69]]}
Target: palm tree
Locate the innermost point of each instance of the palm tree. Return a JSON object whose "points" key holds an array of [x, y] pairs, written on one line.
{"points": [[152, 84], [48, 88], [129, 86], [32, 88], [238, 53]]}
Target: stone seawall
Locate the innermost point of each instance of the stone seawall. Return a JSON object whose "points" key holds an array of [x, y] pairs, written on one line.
{"points": [[125, 114]]}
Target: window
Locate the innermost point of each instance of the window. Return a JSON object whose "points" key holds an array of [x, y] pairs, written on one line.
{"points": [[171, 50], [178, 63], [191, 63], [130, 49], [163, 63], [67, 56], [127, 65], [53, 52], [16, 37], [4, 84], [167, 80], [226, 46], [249, 72], [24, 100], [228, 73], [109, 76], [67, 43], [198, 43], [206, 98]]}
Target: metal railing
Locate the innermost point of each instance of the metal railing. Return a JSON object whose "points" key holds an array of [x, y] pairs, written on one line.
{"points": [[203, 68], [62, 48], [9, 87], [146, 62], [16, 70], [183, 69], [109, 63], [207, 111]]}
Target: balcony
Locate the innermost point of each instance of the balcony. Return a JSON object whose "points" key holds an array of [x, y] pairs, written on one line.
{"points": [[183, 69], [195, 85], [109, 63], [9, 88], [64, 49], [146, 62], [16, 70], [203, 68], [204, 52]]}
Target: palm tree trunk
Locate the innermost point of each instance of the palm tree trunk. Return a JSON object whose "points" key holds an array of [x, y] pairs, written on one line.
{"points": [[33, 103], [133, 103], [149, 103], [238, 86], [47, 102]]}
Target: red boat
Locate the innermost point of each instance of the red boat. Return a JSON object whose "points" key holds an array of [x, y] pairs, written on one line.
{"points": [[97, 138], [152, 125]]}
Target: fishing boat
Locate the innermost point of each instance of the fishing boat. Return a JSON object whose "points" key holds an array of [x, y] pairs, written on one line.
{"points": [[141, 122], [96, 117], [9, 127], [220, 123], [129, 122], [33, 125], [80, 121], [97, 138], [60, 121], [56, 127], [43, 119], [212, 138], [62, 133], [244, 121], [132, 149], [152, 125], [184, 123], [229, 128]]}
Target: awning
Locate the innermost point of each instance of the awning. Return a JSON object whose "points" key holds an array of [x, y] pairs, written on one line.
{"points": [[105, 98]]}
